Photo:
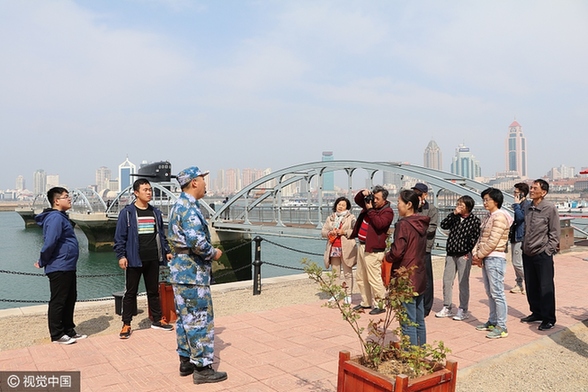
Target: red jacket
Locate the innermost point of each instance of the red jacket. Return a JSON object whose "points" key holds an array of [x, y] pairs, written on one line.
{"points": [[379, 220], [408, 249]]}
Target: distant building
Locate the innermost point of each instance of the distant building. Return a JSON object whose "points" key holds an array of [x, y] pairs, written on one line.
{"points": [[52, 181], [433, 157], [516, 150], [125, 170], [20, 183], [39, 182], [328, 177], [560, 172], [103, 176], [465, 164]]}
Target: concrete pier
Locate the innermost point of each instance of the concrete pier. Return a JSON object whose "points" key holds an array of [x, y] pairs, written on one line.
{"points": [[98, 228]]}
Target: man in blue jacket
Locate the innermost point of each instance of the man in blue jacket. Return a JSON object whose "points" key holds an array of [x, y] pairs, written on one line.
{"points": [[141, 247], [59, 258]]}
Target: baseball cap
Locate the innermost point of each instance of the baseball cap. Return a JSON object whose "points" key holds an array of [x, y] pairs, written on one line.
{"points": [[187, 175], [419, 186]]}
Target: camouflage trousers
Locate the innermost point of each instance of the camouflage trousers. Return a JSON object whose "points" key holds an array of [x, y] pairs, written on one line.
{"points": [[195, 323]]}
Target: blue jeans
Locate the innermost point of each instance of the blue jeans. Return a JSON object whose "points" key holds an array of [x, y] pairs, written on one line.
{"points": [[493, 276], [416, 314]]}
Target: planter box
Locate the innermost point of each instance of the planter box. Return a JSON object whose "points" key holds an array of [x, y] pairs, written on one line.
{"points": [[168, 303], [353, 377]]}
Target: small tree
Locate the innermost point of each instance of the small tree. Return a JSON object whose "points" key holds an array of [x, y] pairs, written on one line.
{"points": [[382, 345]]}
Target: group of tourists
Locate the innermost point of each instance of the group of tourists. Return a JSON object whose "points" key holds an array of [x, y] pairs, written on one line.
{"points": [[533, 235], [141, 246]]}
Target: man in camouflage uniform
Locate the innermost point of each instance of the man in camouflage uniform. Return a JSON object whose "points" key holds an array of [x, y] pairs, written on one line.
{"points": [[190, 275]]}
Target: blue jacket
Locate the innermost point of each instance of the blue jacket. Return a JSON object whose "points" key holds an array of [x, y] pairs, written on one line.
{"points": [[60, 249], [126, 236], [518, 226]]}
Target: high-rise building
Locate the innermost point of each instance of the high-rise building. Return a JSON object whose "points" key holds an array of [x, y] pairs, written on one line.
{"points": [[20, 183], [39, 182], [465, 164], [328, 177], [103, 176], [432, 156], [52, 181], [516, 150], [125, 170]]}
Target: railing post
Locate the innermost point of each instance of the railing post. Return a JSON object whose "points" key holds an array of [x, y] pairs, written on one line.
{"points": [[257, 266]]}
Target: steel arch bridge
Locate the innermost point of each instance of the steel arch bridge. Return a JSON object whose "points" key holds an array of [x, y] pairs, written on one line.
{"points": [[260, 207]]}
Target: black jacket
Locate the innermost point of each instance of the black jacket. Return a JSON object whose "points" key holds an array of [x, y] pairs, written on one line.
{"points": [[463, 233]]}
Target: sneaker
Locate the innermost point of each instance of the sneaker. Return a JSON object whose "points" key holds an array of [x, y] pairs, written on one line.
{"points": [[332, 299], [163, 325], [65, 339], [517, 290], [497, 333], [461, 315], [207, 374], [347, 300], [78, 336], [445, 312], [125, 332], [487, 326]]}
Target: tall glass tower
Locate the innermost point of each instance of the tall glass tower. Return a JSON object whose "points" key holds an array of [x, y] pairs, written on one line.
{"points": [[465, 164], [125, 170], [516, 150], [39, 182], [432, 157]]}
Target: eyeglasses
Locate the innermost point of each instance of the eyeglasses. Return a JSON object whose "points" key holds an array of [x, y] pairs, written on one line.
{"points": [[64, 197]]}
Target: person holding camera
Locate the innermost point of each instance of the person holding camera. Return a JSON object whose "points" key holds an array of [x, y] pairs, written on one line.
{"points": [[371, 230], [517, 232]]}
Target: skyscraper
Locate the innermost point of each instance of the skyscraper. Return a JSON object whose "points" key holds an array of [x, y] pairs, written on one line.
{"points": [[432, 156], [125, 170], [328, 177], [102, 178], [465, 164], [52, 180], [20, 183], [516, 150], [39, 182]]}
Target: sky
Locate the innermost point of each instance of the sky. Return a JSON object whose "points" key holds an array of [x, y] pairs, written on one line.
{"points": [[271, 84]]}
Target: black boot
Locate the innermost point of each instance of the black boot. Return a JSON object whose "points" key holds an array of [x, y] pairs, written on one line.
{"points": [[207, 374], [186, 367]]}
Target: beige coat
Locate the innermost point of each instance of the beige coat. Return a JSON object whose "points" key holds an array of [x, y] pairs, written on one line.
{"points": [[348, 245], [493, 234]]}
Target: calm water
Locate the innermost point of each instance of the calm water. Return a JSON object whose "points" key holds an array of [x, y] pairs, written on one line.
{"points": [[19, 249]]}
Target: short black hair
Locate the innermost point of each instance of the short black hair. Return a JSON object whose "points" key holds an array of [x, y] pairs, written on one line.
{"points": [[523, 187], [494, 194], [141, 181], [468, 202], [408, 195], [54, 193], [378, 189], [347, 202], [542, 184]]}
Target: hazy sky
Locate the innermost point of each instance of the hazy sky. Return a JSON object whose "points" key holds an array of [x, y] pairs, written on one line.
{"points": [[258, 84]]}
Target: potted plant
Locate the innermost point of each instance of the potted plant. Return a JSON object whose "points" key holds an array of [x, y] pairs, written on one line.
{"points": [[388, 361]]}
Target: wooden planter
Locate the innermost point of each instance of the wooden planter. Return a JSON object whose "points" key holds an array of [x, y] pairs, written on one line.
{"points": [[353, 377]]}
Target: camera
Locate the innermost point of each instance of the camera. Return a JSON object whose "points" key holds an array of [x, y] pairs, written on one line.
{"points": [[369, 198]]}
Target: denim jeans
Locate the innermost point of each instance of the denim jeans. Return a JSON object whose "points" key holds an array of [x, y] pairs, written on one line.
{"points": [[493, 276], [416, 314]]}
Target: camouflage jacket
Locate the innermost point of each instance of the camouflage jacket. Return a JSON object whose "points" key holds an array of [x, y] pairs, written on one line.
{"points": [[190, 242]]}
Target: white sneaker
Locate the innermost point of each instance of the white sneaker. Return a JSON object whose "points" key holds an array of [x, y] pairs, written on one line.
{"points": [[332, 299], [65, 340], [347, 299], [445, 312], [461, 315]]}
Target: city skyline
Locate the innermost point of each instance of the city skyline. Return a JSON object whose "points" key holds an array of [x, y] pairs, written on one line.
{"points": [[273, 84]]}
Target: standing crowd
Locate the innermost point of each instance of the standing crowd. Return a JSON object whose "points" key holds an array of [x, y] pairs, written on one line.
{"points": [[141, 246]]}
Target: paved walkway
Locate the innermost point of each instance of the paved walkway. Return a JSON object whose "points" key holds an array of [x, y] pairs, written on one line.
{"points": [[293, 348]]}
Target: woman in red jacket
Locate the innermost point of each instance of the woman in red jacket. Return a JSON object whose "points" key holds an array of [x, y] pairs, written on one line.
{"points": [[407, 250]]}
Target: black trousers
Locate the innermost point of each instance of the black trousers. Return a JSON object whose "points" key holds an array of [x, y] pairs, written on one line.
{"points": [[150, 272], [63, 287], [429, 294], [539, 274]]}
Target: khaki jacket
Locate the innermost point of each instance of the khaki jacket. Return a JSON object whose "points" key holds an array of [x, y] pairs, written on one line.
{"points": [[348, 245], [493, 234]]}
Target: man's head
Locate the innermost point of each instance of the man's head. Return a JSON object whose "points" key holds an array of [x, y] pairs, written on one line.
{"points": [[192, 181], [421, 190], [539, 190], [143, 190], [59, 198], [522, 189], [380, 196]]}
